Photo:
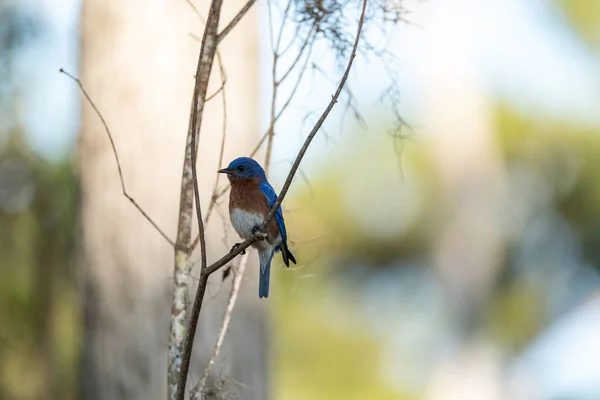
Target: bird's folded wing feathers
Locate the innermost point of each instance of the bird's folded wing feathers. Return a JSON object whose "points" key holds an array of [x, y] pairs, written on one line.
{"points": [[271, 196]]}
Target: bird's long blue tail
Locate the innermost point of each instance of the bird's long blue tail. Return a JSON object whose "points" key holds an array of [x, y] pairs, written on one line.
{"points": [[265, 273]]}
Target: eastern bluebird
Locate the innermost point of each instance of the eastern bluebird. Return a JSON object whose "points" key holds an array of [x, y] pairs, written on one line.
{"points": [[250, 201]]}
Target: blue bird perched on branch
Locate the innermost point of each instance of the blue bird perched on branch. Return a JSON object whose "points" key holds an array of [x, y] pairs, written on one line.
{"points": [[250, 201]]}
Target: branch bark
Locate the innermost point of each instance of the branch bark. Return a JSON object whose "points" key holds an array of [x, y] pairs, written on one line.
{"points": [[189, 192]]}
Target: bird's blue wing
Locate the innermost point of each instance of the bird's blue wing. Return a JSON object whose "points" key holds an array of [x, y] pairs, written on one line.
{"points": [[271, 196]]}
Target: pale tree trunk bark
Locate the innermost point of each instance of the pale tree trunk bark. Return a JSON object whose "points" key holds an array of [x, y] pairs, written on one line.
{"points": [[137, 63]]}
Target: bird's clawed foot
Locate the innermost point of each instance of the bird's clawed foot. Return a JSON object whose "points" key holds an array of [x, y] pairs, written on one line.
{"points": [[258, 233], [234, 248]]}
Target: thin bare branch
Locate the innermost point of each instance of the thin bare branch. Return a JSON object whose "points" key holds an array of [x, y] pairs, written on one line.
{"points": [[283, 22], [272, 40], [271, 130], [207, 53], [238, 275], [309, 39], [261, 141], [215, 195], [316, 128], [213, 199], [297, 84], [197, 12], [114, 149], [291, 43], [275, 82], [219, 90], [308, 42], [223, 76], [235, 20]]}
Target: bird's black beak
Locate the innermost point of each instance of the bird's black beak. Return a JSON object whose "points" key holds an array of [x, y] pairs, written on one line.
{"points": [[225, 171]]}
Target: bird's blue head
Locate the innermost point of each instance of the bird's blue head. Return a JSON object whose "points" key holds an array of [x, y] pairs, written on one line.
{"points": [[243, 168]]}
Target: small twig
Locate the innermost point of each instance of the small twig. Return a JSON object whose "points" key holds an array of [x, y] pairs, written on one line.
{"points": [[270, 133], [238, 275], [261, 141], [219, 90], [223, 76], [235, 20], [114, 149], [215, 195], [206, 272], [300, 53], [275, 82], [291, 43], [316, 128], [271, 39], [283, 22], [214, 198], [197, 12], [296, 86]]}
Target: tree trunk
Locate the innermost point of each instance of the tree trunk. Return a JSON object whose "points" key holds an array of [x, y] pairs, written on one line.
{"points": [[138, 61]]}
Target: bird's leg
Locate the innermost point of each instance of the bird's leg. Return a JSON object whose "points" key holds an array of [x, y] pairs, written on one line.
{"points": [[235, 246], [258, 233]]}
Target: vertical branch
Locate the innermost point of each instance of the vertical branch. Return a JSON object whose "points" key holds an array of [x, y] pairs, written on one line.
{"points": [[214, 197], [238, 275], [189, 190], [275, 82]]}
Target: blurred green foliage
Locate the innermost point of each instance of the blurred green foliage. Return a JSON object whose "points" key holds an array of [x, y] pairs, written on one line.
{"points": [[39, 323], [313, 360], [584, 17]]}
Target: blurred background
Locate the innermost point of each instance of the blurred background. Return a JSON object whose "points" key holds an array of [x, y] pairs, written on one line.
{"points": [[446, 219]]}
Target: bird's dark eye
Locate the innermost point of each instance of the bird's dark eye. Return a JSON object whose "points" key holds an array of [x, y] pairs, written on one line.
{"points": [[241, 168]]}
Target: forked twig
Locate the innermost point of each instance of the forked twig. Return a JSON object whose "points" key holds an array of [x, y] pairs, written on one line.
{"points": [[114, 149], [235, 20]]}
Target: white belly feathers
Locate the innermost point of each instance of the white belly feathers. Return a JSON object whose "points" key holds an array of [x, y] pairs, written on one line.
{"points": [[243, 222]]}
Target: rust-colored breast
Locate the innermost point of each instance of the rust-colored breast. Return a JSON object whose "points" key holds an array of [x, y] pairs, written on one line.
{"points": [[245, 194]]}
